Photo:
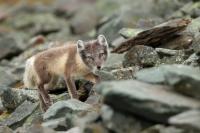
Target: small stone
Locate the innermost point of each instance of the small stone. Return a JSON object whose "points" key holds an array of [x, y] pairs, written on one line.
{"points": [[129, 33], [141, 55], [164, 52], [163, 129], [125, 73], [189, 120], [61, 108]]}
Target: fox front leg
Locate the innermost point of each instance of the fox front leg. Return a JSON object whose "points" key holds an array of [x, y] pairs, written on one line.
{"points": [[71, 87]]}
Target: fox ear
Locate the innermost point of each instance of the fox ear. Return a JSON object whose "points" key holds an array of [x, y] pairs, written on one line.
{"points": [[80, 45], [102, 40]]}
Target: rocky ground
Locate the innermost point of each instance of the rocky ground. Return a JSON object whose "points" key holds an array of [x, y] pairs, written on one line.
{"points": [[150, 83]]}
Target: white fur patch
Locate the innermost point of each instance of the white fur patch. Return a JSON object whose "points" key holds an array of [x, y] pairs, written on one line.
{"points": [[29, 74]]}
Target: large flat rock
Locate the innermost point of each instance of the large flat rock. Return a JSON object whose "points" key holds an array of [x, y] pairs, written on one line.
{"points": [[184, 79], [153, 102]]}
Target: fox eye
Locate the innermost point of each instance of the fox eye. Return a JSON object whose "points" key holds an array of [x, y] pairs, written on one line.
{"points": [[90, 58], [101, 55]]}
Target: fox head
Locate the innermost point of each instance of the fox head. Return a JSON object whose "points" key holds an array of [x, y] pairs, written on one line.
{"points": [[93, 53]]}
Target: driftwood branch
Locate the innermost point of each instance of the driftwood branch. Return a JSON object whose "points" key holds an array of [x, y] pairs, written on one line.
{"points": [[154, 36]]}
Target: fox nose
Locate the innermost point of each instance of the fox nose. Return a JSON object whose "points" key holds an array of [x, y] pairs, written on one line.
{"points": [[98, 67]]}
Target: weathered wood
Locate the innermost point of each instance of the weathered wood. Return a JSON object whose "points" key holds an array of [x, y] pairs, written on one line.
{"points": [[155, 36]]}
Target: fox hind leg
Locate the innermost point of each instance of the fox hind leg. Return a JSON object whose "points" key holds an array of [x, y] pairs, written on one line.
{"points": [[53, 82], [44, 78]]}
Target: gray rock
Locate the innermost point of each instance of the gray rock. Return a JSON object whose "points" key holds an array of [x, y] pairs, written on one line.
{"points": [[87, 120], [38, 23], [94, 127], [146, 24], [141, 55], [69, 120], [189, 120], [142, 99], [74, 130], [114, 121], [178, 58], [17, 118], [193, 60], [125, 17], [8, 47], [114, 61], [110, 29], [28, 94], [21, 39], [125, 73], [153, 75], [34, 129], [63, 35], [84, 119], [12, 97], [60, 97], [163, 129], [165, 7], [166, 52], [184, 79], [61, 108], [116, 42], [5, 129], [34, 118], [193, 30], [57, 124], [94, 99], [7, 78], [105, 76], [189, 9], [84, 21], [129, 33], [196, 42]]}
